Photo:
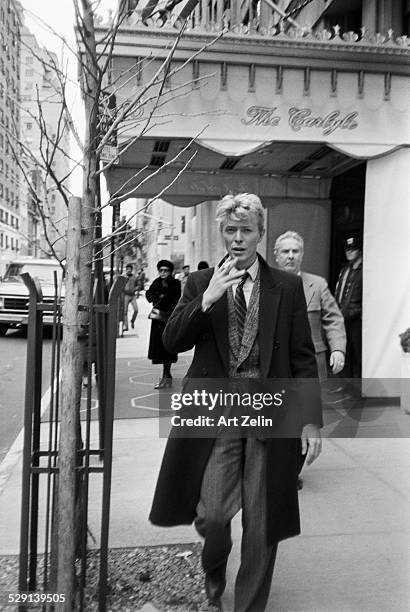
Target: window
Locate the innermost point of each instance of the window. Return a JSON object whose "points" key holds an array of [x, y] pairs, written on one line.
{"points": [[29, 126], [29, 59], [12, 243], [6, 217], [7, 242], [11, 220], [29, 72], [1, 190], [1, 215], [17, 245], [17, 223], [1, 240]]}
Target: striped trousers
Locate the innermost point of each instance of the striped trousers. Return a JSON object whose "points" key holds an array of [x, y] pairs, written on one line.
{"points": [[235, 478]]}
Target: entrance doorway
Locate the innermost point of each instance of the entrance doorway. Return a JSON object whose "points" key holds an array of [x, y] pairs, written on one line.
{"points": [[347, 195]]}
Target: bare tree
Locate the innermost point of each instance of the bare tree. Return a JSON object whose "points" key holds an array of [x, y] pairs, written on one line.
{"points": [[104, 123]]}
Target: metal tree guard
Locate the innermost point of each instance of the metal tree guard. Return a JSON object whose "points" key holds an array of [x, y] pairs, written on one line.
{"points": [[40, 452]]}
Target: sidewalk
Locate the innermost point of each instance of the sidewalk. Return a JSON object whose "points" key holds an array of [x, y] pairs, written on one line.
{"points": [[354, 551]]}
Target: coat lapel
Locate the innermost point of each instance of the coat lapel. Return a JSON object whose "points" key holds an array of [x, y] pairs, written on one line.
{"points": [[219, 318], [308, 288], [269, 300]]}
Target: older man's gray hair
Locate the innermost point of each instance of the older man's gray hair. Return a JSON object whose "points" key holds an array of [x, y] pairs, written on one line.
{"points": [[289, 234]]}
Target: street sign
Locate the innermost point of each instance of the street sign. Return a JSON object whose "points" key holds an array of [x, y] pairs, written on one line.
{"points": [[109, 153]]}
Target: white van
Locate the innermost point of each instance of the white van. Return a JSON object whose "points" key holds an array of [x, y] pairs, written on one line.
{"points": [[14, 293]]}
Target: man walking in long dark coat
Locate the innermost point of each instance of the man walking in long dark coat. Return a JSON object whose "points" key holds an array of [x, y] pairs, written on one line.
{"points": [[247, 321]]}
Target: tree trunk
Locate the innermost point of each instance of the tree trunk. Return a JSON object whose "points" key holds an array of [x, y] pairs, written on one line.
{"points": [[91, 93], [70, 391]]}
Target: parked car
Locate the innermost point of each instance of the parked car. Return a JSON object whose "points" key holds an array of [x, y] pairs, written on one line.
{"points": [[14, 293]]}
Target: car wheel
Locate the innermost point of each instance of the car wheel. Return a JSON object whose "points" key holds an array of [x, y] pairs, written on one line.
{"points": [[3, 329]]}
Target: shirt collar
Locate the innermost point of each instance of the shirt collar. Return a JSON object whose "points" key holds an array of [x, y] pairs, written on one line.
{"points": [[253, 270]]}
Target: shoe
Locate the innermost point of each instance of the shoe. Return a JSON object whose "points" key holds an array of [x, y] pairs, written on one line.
{"points": [[164, 383], [343, 398], [337, 390], [215, 583], [132, 324], [300, 484]]}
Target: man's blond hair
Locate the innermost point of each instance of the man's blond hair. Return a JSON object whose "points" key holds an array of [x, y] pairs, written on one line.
{"points": [[239, 207]]}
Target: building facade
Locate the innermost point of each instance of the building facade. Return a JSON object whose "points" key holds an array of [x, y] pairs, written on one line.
{"points": [[11, 210], [308, 107], [39, 88], [164, 231]]}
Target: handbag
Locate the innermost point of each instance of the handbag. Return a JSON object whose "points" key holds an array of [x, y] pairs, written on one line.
{"points": [[159, 315]]}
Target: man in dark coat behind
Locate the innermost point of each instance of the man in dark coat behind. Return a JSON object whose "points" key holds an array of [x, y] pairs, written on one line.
{"points": [[247, 322], [349, 289]]}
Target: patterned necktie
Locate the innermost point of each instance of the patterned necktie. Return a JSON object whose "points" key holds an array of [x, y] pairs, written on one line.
{"points": [[240, 305]]}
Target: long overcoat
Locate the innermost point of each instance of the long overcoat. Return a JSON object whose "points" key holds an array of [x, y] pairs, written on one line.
{"points": [[170, 293], [286, 351]]}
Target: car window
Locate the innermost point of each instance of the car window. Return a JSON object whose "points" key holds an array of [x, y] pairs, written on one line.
{"points": [[13, 272], [45, 274]]}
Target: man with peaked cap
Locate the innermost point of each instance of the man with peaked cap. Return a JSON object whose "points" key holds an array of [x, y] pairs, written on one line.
{"points": [[349, 289]]}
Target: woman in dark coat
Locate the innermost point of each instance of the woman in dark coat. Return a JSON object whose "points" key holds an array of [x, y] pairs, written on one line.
{"points": [[164, 294]]}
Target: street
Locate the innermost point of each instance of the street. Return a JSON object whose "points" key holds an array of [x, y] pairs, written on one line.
{"points": [[12, 383]]}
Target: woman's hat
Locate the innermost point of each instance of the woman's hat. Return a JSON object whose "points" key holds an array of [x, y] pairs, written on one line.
{"points": [[164, 263]]}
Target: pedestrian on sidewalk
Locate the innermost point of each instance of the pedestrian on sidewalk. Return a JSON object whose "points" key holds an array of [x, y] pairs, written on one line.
{"points": [[141, 279], [183, 277], [248, 323], [163, 293], [130, 297]]}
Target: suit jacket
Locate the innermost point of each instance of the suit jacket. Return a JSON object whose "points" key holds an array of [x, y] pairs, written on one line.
{"points": [[326, 320], [286, 351]]}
